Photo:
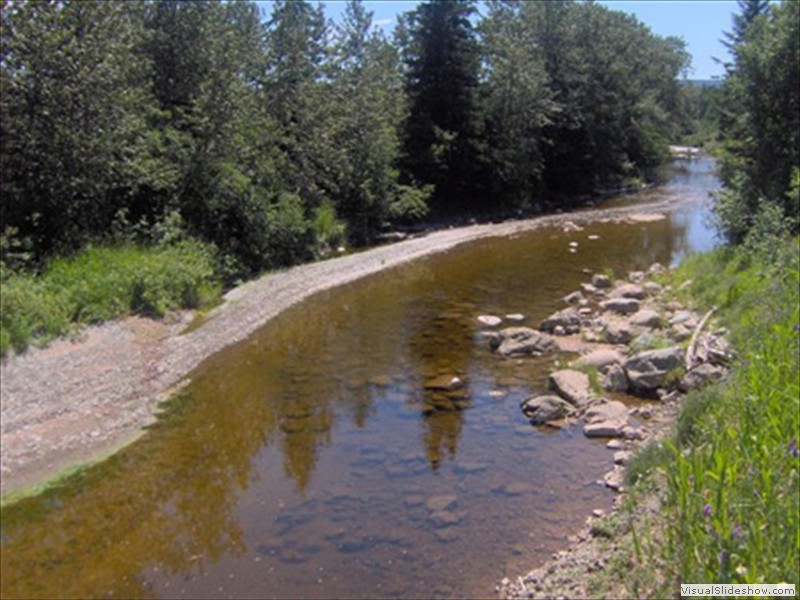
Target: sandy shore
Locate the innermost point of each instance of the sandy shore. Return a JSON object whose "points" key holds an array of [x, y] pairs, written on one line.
{"points": [[76, 401]]}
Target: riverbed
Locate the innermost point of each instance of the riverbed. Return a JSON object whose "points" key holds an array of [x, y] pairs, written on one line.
{"points": [[312, 459]]}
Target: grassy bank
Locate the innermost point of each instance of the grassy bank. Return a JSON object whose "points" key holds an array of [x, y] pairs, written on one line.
{"points": [[102, 283], [719, 501]]}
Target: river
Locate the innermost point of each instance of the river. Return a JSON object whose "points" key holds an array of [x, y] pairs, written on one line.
{"points": [[311, 461]]}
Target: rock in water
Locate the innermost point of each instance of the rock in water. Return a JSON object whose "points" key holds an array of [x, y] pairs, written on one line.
{"points": [[601, 281], [601, 359], [516, 341], [541, 409], [569, 317], [447, 383], [490, 320], [571, 385]]}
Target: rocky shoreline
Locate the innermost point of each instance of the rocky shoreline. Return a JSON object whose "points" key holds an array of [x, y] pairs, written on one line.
{"points": [[636, 340]]}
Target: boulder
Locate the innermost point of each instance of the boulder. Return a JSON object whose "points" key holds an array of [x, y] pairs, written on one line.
{"points": [[622, 457], [574, 297], [615, 379], [590, 289], [647, 370], [601, 359], [653, 288], [571, 385], [683, 317], [515, 341], [601, 281], [566, 318], [646, 318], [617, 332], [679, 332], [541, 409], [701, 376], [628, 290], [607, 411], [613, 479], [605, 429], [516, 317], [625, 306], [636, 276]]}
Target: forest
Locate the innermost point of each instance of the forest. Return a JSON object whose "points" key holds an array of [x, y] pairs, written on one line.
{"points": [[231, 141]]}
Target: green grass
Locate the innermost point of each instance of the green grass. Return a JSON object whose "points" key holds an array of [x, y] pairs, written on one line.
{"points": [[731, 510], [103, 283]]}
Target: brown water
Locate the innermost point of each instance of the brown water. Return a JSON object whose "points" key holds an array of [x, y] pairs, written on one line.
{"points": [[310, 460]]}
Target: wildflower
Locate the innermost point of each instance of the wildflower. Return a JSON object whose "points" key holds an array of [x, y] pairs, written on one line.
{"points": [[722, 556], [741, 570], [793, 448], [737, 533], [796, 327], [707, 510]]}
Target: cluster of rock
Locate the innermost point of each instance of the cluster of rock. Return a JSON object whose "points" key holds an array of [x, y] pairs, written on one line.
{"points": [[631, 338]]}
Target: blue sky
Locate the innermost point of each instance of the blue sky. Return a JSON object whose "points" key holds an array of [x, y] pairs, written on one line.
{"points": [[699, 22]]}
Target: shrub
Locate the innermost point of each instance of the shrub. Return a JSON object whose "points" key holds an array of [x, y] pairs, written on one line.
{"points": [[290, 236], [102, 283]]}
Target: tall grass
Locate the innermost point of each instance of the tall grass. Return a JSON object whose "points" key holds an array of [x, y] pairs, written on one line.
{"points": [[732, 508], [102, 283]]}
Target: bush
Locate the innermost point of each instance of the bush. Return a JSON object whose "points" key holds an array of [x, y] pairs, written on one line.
{"points": [[329, 231], [102, 283], [290, 236]]}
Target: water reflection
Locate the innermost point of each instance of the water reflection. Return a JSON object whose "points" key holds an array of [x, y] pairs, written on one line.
{"points": [[312, 460]]}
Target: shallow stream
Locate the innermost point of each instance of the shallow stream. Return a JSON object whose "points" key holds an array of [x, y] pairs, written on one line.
{"points": [[311, 461]]}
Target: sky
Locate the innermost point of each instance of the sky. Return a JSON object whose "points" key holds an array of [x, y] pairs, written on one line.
{"points": [[699, 22]]}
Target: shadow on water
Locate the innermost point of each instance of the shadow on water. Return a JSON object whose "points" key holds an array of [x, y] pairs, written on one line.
{"points": [[321, 458]]}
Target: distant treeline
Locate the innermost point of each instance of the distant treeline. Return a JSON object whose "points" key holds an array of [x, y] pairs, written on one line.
{"points": [[270, 136]]}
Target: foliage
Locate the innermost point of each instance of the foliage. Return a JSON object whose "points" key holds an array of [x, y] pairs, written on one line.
{"points": [[116, 117], [101, 283], [440, 131], [761, 121], [328, 229], [730, 514]]}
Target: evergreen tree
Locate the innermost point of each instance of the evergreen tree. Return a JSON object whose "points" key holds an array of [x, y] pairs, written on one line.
{"points": [[441, 132], [368, 110]]}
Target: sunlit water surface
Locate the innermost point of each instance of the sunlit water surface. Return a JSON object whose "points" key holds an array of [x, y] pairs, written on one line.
{"points": [[310, 460]]}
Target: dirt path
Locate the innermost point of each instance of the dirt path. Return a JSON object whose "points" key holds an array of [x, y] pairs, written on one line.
{"points": [[74, 402]]}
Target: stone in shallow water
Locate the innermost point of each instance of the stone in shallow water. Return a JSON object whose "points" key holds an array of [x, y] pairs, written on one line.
{"points": [[604, 429], [521, 341], [571, 385], [449, 383], [447, 535], [518, 488], [490, 320], [601, 281], [441, 502], [541, 409]]}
